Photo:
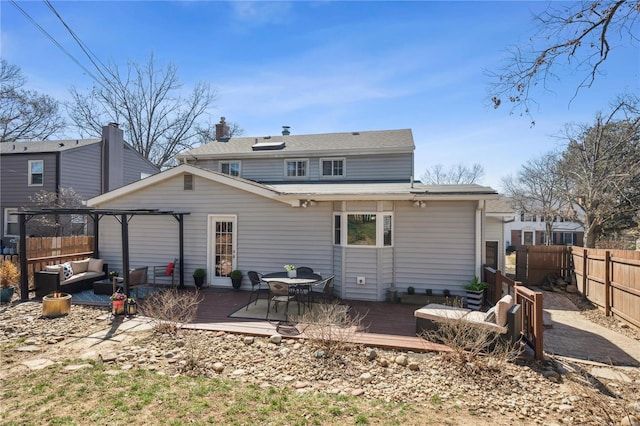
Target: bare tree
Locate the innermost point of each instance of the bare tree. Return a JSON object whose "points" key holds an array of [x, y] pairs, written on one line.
{"points": [[158, 119], [25, 114], [56, 225], [537, 190], [577, 34], [601, 168], [459, 174]]}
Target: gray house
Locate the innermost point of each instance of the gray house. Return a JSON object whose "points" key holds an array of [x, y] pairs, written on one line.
{"points": [[89, 166], [344, 204]]}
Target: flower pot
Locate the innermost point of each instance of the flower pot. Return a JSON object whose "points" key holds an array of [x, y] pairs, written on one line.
{"points": [[292, 274], [117, 307], [475, 299], [236, 282], [6, 294], [198, 281]]}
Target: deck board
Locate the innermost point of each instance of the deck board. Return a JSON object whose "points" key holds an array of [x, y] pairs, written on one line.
{"points": [[387, 325]]}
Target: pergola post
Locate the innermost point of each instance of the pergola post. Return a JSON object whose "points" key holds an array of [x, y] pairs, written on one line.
{"points": [[124, 221], [24, 277], [181, 242]]}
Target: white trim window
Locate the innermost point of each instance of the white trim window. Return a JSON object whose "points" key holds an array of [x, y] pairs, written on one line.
{"points": [[332, 167], [231, 168], [36, 172], [296, 168], [364, 230], [11, 225], [78, 224]]}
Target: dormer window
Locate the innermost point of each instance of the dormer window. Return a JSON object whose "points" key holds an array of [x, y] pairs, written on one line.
{"points": [[332, 167], [36, 172], [296, 168]]}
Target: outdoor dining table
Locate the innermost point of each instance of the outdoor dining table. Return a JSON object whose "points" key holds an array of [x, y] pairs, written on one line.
{"points": [[301, 282]]}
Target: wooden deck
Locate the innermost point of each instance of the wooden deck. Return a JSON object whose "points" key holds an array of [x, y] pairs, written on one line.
{"points": [[386, 325]]}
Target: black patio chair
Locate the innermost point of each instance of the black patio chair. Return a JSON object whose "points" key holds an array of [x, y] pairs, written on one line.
{"points": [[304, 270], [322, 289], [256, 287]]}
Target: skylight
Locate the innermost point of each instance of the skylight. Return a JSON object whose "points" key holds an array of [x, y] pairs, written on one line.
{"points": [[266, 146]]}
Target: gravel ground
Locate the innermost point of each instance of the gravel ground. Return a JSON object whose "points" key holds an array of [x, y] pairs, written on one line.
{"points": [[490, 389]]}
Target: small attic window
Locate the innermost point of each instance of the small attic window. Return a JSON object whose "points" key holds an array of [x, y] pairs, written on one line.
{"points": [[267, 146], [188, 182]]}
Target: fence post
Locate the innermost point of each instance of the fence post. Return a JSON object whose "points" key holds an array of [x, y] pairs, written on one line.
{"points": [[538, 325], [585, 253], [607, 283], [497, 287]]}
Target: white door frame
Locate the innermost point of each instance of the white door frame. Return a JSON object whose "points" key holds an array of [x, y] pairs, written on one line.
{"points": [[212, 220]]}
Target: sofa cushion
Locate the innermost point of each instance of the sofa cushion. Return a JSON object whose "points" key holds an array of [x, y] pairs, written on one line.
{"points": [[80, 266], [502, 307], [435, 311], [67, 270], [95, 265], [82, 276], [56, 268]]}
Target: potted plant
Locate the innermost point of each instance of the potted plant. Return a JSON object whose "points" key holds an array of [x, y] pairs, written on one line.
{"points": [[9, 276], [198, 277], [291, 271], [475, 293], [117, 302], [236, 279]]}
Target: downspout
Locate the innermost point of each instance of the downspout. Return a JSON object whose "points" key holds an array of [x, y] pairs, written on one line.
{"points": [[57, 191], [479, 232]]}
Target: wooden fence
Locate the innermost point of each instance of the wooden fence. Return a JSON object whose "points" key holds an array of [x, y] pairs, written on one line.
{"points": [[610, 279], [535, 263], [52, 250], [531, 305]]}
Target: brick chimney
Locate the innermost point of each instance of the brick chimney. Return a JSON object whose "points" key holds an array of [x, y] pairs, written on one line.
{"points": [[112, 157], [222, 131]]}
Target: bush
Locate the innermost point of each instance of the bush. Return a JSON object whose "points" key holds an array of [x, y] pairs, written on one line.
{"points": [[330, 326], [170, 308]]}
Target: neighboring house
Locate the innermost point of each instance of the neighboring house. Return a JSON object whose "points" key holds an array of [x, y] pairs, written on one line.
{"points": [[530, 230], [344, 204], [89, 166]]}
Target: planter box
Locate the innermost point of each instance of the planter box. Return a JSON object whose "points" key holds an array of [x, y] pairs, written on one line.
{"points": [[475, 299], [423, 299]]}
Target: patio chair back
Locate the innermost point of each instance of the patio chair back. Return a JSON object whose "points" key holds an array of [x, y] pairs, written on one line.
{"points": [[304, 270]]}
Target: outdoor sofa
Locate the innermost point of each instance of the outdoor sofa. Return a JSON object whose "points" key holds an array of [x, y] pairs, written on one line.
{"points": [[504, 318], [70, 277]]}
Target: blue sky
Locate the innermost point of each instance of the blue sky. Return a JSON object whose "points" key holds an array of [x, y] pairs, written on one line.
{"points": [[324, 66]]}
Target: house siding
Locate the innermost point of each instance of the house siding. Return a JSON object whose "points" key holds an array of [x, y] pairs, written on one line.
{"points": [[80, 169], [14, 175], [269, 234], [135, 165], [367, 167], [435, 246]]}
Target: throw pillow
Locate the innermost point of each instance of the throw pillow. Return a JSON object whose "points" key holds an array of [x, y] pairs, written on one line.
{"points": [[67, 270], [95, 265], [56, 268], [79, 266], [490, 316], [169, 270]]}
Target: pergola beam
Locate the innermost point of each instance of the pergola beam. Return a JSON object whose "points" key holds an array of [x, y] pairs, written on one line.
{"points": [[123, 215]]}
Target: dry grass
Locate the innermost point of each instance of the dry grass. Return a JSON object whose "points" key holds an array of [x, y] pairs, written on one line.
{"points": [[331, 327], [473, 348], [170, 308]]}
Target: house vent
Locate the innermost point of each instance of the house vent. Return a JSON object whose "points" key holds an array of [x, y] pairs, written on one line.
{"points": [[188, 182]]}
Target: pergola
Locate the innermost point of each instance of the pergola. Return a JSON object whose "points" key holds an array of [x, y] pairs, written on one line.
{"points": [[121, 215]]}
